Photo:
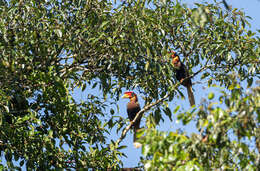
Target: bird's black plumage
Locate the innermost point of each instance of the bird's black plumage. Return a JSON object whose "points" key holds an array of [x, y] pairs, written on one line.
{"points": [[133, 108], [181, 74]]}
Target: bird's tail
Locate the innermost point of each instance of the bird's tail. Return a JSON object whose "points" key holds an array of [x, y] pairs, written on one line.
{"points": [[136, 128], [190, 95], [136, 144]]}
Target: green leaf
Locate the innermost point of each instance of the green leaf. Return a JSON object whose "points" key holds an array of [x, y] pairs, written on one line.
{"points": [[6, 109], [122, 147], [84, 87], [157, 116], [211, 96], [206, 74], [249, 82], [167, 111], [145, 150], [146, 66], [104, 24], [21, 163], [176, 109], [58, 32], [51, 133], [112, 111]]}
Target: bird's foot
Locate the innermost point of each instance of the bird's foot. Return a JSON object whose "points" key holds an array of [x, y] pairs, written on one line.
{"points": [[137, 145], [205, 139]]}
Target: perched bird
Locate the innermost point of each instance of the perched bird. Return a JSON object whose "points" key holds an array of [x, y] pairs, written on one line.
{"points": [[181, 74], [133, 107]]}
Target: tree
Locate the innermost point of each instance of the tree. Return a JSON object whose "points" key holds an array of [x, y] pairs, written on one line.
{"points": [[51, 49]]}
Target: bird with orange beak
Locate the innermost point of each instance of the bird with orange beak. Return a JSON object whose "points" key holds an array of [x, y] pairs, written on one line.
{"points": [[181, 74], [133, 107]]}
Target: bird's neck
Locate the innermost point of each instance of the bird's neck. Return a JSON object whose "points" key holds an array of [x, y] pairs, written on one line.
{"points": [[134, 99], [179, 65]]}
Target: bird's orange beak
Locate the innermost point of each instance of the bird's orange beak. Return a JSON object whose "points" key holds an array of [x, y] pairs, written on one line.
{"points": [[125, 96]]}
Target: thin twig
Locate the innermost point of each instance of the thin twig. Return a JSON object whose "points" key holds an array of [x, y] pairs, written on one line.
{"points": [[226, 5]]}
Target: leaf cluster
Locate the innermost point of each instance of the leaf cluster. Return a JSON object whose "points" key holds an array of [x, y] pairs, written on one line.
{"points": [[51, 50]]}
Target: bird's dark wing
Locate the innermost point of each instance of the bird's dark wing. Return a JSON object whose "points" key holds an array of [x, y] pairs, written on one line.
{"points": [[132, 109], [183, 73]]}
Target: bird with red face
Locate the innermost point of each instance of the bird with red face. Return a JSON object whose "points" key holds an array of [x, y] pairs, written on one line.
{"points": [[133, 107], [181, 74]]}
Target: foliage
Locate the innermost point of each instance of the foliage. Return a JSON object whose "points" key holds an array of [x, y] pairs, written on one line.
{"points": [[228, 137], [52, 49]]}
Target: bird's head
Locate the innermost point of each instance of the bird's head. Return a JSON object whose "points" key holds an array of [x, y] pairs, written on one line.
{"points": [[130, 95], [175, 60]]}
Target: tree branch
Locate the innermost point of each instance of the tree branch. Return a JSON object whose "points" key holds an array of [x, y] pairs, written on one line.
{"points": [[147, 107], [226, 5]]}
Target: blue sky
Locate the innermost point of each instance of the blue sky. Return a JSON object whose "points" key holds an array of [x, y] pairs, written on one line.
{"points": [[133, 155]]}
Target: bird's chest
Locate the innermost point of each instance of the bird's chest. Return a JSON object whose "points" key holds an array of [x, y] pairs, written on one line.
{"points": [[181, 73], [132, 110]]}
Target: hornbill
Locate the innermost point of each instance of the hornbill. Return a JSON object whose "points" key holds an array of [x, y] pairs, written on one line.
{"points": [[181, 74], [133, 107]]}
